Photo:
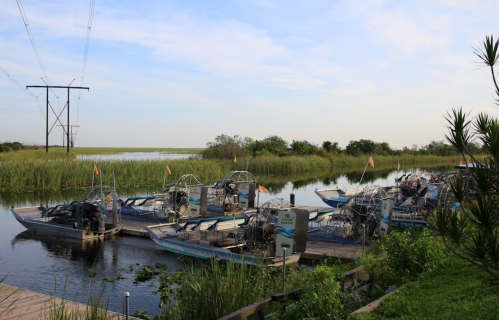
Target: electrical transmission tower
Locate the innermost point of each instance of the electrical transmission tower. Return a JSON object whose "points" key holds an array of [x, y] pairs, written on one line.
{"points": [[57, 116]]}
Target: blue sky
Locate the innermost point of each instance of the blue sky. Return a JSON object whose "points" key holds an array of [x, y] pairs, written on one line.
{"points": [[179, 73]]}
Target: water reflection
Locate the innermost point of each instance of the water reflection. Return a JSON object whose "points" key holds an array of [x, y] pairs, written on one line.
{"points": [[69, 248], [276, 184]]}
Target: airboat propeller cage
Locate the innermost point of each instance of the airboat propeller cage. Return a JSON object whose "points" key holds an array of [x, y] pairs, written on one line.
{"points": [[247, 193], [292, 227], [197, 201]]}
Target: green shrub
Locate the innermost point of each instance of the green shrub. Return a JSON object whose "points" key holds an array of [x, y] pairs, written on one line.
{"points": [[321, 297], [410, 256], [400, 257]]}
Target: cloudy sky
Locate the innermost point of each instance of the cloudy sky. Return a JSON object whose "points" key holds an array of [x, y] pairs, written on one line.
{"points": [[179, 73]]}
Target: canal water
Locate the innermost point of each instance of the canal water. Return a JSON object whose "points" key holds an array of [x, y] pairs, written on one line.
{"points": [[51, 266]]}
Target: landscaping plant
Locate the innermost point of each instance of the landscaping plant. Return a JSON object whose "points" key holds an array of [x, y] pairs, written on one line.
{"points": [[472, 231]]}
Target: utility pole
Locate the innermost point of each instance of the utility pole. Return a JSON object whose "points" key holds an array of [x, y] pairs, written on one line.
{"points": [[47, 87], [71, 137]]}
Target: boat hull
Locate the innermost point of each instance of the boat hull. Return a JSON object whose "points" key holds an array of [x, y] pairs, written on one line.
{"points": [[30, 218], [193, 249]]}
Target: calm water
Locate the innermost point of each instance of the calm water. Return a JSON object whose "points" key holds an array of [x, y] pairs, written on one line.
{"points": [[40, 263], [135, 156]]}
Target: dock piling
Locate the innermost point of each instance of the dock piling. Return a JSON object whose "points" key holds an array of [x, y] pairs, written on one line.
{"points": [[127, 297]]}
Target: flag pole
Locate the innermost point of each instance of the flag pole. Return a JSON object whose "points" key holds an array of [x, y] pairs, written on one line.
{"points": [[164, 181], [258, 201], [362, 175]]}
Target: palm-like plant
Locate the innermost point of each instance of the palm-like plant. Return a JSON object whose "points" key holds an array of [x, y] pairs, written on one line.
{"points": [[473, 232], [489, 55]]}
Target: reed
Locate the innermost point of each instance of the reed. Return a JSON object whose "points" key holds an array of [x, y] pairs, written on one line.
{"points": [[218, 289], [63, 172], [60, 309], [6, 306]]}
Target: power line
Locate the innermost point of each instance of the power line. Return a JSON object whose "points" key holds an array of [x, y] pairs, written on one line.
{"points": [[85, 55], [87, 41], [20, 87], [33, 44]]}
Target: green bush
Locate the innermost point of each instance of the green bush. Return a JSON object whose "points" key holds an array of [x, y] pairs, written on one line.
{"points": [[400, 257], [321, 297], [410, 256]]}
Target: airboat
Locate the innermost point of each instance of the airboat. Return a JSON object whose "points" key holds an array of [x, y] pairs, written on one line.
{"points": [[261, 238], [233, 194], [82, 219]]}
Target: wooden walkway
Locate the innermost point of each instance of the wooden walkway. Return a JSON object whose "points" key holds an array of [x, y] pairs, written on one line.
{"points": [[20, 304], [318, 250]]}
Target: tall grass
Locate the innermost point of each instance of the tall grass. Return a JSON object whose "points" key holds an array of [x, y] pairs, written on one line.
{"points": [[6, 306], [217, 288], [215, 291], [94, 309], [63, 172]]}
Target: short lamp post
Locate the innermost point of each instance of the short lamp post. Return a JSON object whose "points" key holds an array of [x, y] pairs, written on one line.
{"points": [[284, 247]]}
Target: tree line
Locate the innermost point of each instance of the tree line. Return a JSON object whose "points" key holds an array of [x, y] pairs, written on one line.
{"points": [[226, 146], [11, 146]]}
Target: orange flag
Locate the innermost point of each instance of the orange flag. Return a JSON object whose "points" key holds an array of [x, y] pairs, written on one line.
{"points": [[235, 160], [262, 189], [468, 160], [169, 171], [398, 166], [96, 170], [371, 161]]}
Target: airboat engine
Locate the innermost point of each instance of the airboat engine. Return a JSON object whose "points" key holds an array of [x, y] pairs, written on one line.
{"points": [[247, 195], [292, 227], [197, 201]]}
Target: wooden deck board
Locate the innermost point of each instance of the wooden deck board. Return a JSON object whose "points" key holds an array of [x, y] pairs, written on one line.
{"points": [[316, 250], [18, 304]]}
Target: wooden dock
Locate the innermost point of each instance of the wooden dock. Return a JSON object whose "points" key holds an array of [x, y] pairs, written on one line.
{"points": [[318, 250], [19, 304]]}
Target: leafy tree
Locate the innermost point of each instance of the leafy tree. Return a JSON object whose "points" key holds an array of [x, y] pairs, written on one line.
{"points": [[473, 232], [362, 146], [327, 145], [303, 147], [331, 146], [224, 146], [275, 145], [383, 148], [439, 148]]}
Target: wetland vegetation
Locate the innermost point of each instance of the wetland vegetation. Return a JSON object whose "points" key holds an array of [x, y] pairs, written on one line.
{"points": [[29, 169]]}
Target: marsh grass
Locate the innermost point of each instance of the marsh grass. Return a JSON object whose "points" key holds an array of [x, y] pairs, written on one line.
{"points": [[216, 290], [20, 174], [62, 309], [213, 289]]}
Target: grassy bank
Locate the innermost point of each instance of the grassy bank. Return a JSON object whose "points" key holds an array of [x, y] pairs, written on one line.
{"points": [[455, 291]]}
